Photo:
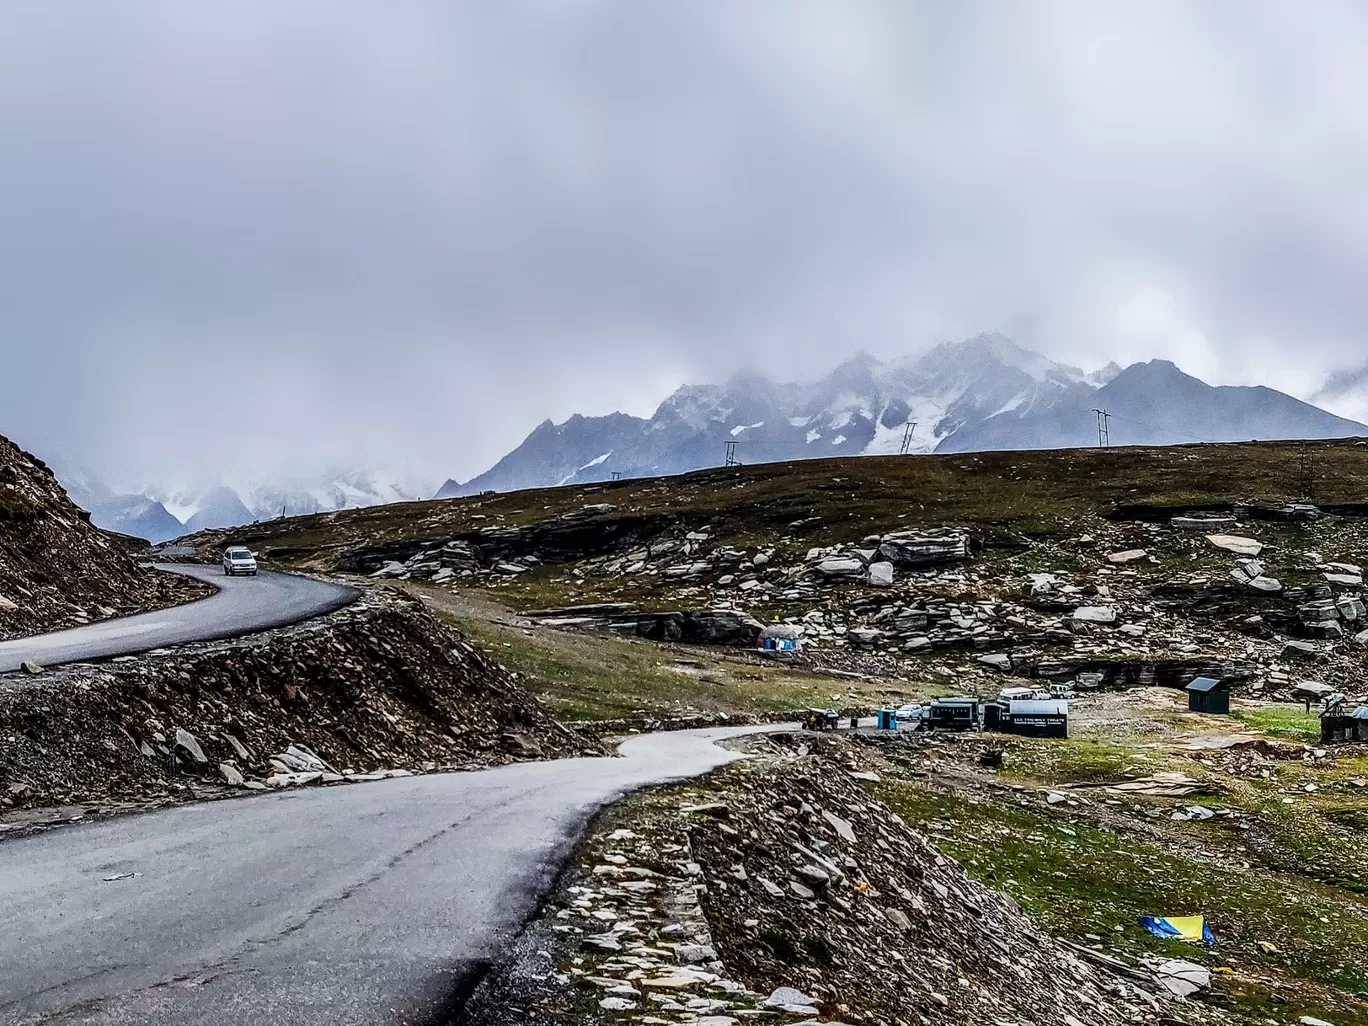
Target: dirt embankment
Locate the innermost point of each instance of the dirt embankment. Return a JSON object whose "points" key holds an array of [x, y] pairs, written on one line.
{"points": [[782, 889], [57, 569], [380, 685]]}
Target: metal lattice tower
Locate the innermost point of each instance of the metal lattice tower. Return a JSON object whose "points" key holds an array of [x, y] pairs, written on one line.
{"points": [[907, 438], [1103, 428], [732, 461]]}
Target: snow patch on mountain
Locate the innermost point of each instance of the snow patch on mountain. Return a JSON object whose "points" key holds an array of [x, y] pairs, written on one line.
{"points": [[592, 463], [986, 392]]}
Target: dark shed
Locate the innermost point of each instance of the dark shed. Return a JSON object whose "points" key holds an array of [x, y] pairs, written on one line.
{"points": [[954, 713], [1342, 722], [1208, 695]]}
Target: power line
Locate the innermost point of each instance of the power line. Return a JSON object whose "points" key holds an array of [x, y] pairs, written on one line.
{"points": [[1168, 431]]}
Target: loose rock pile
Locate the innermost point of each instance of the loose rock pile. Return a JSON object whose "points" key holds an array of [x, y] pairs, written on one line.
{"points": [[785, 893], [379, 687], [56, 569]]}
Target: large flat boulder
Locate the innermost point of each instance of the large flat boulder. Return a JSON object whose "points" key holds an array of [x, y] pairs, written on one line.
{"points": [[914, 549]]}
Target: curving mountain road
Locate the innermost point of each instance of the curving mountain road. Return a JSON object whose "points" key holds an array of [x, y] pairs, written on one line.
{"points": [[343, 906], [240, 606]]}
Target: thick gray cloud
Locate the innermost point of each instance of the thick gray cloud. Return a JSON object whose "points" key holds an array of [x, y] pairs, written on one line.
{"points": [[398, 235]]}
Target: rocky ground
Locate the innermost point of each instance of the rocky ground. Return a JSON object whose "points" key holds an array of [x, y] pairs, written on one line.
{"points": [[380, 687], [927, 887], [1067, 577], [56, 570], [784, 892], [1265, 598], [906, 878]]}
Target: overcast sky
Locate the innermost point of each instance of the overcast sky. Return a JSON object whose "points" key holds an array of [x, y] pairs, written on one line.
{"points": [[401, 234]]}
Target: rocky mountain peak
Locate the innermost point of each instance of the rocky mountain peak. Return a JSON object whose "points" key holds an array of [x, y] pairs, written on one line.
{"points": [[984, 392]]}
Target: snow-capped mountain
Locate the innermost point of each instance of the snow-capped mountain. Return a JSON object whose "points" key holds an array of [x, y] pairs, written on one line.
{"points": [[160, 513], [983, 393]]}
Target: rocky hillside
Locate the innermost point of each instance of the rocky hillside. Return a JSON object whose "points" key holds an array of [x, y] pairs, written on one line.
{"points": [[378, 687], [782, 892], [56, 569], [984, 393]]}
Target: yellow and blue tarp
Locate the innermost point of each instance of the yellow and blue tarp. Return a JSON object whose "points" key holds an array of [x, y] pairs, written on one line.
{"points": [[1184, 928]]}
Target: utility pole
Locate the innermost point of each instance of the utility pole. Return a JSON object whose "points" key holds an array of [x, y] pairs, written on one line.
{"points": [[1307, 468], [731, 454], [907, 437], [1103, 429]]}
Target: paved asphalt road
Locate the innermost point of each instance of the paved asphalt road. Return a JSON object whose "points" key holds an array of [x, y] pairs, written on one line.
{"points": [[241, 605], [345, 906]]}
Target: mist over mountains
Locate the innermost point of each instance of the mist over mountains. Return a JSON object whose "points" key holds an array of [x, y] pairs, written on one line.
{"points": [[160, 513], [983, 393]]}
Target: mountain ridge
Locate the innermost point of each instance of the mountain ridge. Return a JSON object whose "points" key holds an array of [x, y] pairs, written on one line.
{"points": [[986, 392]]}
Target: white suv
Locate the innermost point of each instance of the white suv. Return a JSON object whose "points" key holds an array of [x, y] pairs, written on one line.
{"points": [[239, 560]]}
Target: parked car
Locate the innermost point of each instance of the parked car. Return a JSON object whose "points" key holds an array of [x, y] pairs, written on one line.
{"points": [[238, 559], [910, 714]]}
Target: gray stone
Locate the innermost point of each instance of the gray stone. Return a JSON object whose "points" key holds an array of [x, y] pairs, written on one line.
{"points": [[1095, 614], [186, 740], [1345, 580], [1237, 544], [231, 774], [781, 996], [690, 953], [239, 748], [915, 549], [842, 827], [881, 575], [898, 918], [1350, 607], [1182, 978], [1128, 556], [841, 566], [601, 942], [865, 635], [1199, 522]]}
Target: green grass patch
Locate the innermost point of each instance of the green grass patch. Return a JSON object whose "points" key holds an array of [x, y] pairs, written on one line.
{"points": [[1064, 762], [591, 677], [1289, 723], [1076, 879]]}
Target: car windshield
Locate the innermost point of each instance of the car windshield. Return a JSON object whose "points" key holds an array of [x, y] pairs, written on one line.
{"points": [[240, 556]]}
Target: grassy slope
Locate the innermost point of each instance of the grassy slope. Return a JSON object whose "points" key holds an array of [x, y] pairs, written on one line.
{"points": [[1038, 493], [588, 676], [1292, 877]]}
